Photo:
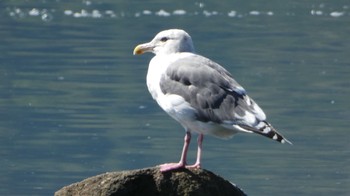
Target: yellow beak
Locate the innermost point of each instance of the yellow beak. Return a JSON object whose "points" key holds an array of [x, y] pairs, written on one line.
{"points": [[142, 48]]}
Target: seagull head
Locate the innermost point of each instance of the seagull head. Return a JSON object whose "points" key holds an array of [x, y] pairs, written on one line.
{"points": [[167, 42]]}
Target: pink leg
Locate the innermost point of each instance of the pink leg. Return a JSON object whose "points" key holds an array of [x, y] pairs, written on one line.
{"points": [[197, 165], [182, 163]]}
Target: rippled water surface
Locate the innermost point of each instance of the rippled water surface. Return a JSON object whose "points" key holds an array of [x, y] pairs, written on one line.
{"points": [[74, 103]]}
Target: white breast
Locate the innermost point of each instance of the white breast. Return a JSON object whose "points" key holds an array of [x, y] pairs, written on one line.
{"points": [[157, 68], [174, 105]]}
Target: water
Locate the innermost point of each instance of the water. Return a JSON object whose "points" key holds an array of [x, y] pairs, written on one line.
{"points": [[74, 102]]}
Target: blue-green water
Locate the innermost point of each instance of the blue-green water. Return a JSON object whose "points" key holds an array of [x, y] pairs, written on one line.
{"points": [[74, 103]]}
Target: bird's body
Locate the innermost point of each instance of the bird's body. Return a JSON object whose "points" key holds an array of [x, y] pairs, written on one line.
{"points": [[190, 108], [199, 93]]}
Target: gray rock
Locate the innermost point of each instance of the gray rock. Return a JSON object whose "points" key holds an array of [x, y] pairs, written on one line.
{"points": [[150, 181]]}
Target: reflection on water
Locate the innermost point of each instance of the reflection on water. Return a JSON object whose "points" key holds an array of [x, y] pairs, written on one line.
{"points": [[74, 103]]}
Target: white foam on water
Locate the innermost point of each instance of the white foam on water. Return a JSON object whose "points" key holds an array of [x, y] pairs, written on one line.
{"points": [[162, 13], [179, 12]]}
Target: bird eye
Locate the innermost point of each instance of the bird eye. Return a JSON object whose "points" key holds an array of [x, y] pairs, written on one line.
{"points": [[164, 39]]}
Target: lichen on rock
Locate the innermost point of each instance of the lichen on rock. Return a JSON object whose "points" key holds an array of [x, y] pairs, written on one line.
{"points": [[150, 181]]}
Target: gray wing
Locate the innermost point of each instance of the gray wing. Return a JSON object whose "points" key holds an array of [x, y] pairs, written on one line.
{"points": [[212, 91]]}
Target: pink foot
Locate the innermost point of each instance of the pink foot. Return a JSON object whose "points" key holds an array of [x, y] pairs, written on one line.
{"points": [[170, 166], [194, 166]]}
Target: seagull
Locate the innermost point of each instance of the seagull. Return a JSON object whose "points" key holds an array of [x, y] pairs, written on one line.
{"points": [[199, 94]]}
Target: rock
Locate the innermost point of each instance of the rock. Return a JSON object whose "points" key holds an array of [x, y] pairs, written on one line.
{"points": [[150, 181]]}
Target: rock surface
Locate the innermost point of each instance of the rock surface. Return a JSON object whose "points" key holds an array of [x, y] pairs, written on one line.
{"points": [[150, 181]]}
